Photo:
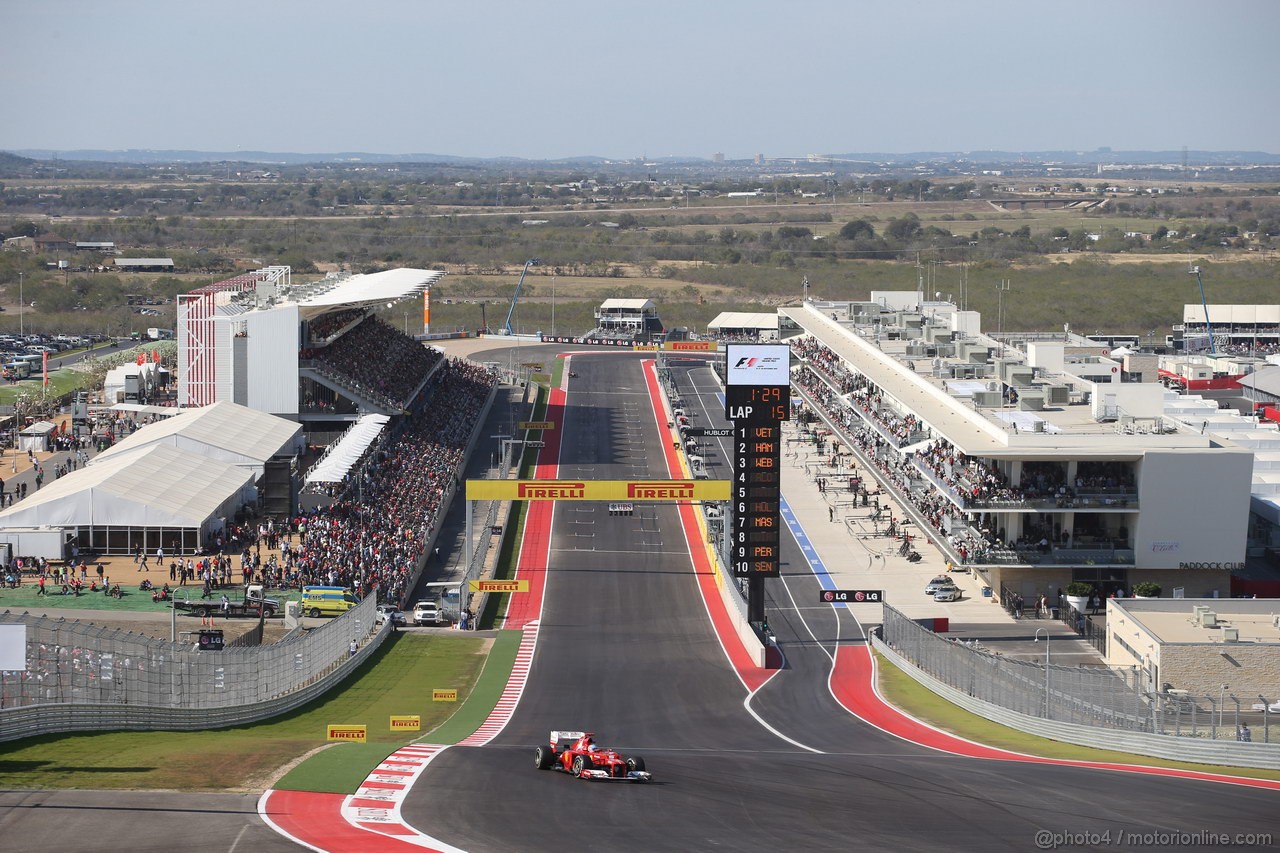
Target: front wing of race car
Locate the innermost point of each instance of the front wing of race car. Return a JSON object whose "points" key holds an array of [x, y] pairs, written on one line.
{"points": [[632, 775]]}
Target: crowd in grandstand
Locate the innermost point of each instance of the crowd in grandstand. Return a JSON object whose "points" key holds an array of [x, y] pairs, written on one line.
{"points": [[854, 404], [326, 325], [377, 361], [865, 394], [372, 536]]}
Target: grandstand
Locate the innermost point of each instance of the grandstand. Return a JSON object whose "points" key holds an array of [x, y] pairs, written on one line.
{"points": [[627, 319], [310, 352], [313, 353], [1237, 329]]}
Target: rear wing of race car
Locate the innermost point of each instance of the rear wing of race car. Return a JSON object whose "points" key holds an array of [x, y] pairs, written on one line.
{"points": [[558, 736]]}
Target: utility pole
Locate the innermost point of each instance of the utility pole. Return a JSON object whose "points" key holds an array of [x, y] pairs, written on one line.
{"points": [[1001, 289]]}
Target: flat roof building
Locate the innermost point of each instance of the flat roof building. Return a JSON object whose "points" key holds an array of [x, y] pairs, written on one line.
{"points": [[144, 264], [1197, 645], [1039, 466], [744, 326], [629, 318]]}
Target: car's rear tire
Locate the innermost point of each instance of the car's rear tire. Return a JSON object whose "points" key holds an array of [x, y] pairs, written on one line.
{"points": [[580, 763], [315, 612], [543, 758], [635, 762]]}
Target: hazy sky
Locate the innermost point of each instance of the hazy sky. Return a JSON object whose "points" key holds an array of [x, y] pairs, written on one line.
{"points": [[557, 78]]}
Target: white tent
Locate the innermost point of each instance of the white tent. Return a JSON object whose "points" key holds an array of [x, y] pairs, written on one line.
{"points": [[744, 321], [224, 432], [156, 487], [114, 385], [36, 437]]}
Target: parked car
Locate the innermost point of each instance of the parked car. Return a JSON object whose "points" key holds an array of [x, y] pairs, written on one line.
{"points": [[426, 613], [389, 611], [939, 582], [948, 593]]}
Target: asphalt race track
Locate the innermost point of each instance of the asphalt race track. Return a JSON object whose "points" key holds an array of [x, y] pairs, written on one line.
{"points": [[626, 649], [135, 822]]}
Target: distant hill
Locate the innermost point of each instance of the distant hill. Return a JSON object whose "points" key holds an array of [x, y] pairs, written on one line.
{"points": [[278, 158], [139, 156], [12, 164], [1074, 158]]}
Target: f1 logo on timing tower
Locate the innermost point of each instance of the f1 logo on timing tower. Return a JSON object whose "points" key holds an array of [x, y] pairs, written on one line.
{"points": [[851, 596]]}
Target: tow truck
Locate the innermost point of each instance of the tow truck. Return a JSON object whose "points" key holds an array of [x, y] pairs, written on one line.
{"points": [[253, 603]]}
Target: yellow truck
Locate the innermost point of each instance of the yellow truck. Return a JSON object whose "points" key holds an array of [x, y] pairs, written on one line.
{"points": [[327, 600]]}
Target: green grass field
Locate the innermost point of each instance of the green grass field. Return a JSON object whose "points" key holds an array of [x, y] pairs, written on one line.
{"points": [[339, 770], [398, 679]]}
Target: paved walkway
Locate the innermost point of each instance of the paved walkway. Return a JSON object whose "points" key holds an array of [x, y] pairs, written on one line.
{"points": [[856, 554]]}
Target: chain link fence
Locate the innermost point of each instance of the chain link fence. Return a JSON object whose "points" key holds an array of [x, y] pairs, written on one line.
{"points": [[1085, 695], [1094, 696], [74, 663]]}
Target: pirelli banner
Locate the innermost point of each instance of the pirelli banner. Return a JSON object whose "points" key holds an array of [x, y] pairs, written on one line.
{"points": [[597, 490], [352, 733]]}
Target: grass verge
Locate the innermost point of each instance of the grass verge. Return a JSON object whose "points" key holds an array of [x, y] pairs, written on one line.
{"points": [[341, 769], [397, 679], [917, 700]]}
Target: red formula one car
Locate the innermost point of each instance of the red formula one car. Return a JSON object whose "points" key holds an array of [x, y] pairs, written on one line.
{"points": [[578, 754]]}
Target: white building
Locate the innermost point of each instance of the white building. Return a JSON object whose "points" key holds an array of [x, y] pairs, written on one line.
{"points": [[1039, 466], [1235, 327], [245, 339]]}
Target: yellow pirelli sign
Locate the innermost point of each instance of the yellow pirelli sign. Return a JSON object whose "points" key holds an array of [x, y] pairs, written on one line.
{"points": [[405, 722], [444, 695], [645, 348], [355, 734], [598, 490], [537, 425], [498, 586], [690, 346]]}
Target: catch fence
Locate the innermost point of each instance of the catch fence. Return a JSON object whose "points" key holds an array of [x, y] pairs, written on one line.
{"points": [[1096, 696], [80, 676]]}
